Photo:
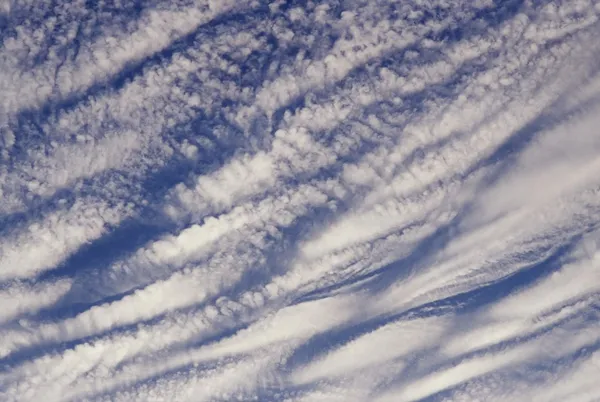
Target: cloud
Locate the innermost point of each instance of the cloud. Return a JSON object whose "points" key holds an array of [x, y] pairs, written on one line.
{"points": [[21, 298], [43, 244], [107, 55], [339, 201], [390, 343], [121, 129]]}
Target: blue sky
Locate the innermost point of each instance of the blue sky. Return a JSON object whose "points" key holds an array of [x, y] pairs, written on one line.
{"points": [[350, 200]]}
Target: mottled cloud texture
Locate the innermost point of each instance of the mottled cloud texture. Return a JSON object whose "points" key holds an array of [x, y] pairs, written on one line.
{"points": [[346, 200]]}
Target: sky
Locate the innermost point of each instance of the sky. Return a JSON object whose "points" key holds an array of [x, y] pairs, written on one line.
{"points": [[338, 200]]}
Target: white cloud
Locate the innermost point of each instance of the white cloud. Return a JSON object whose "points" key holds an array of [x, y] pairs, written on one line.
{"points": [[123, 129], [21, 298], [45, 243], [365, 34], [114, 49], [387, 344], [364, 221]]}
